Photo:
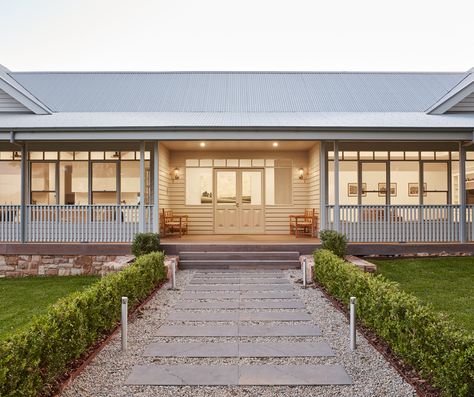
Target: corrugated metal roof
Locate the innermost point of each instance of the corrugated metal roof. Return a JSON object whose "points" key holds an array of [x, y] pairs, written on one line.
{"points": [[237, 92]]}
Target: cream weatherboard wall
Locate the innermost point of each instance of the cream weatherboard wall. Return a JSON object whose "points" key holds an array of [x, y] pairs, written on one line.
{"points": [[305, 192], [164, 176]]}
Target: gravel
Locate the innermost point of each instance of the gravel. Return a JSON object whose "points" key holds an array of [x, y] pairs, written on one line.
{"points": [[372, 375]]}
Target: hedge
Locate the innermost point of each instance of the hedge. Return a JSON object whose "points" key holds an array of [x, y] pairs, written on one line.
{"points": [[435, 347], [32, 359]]}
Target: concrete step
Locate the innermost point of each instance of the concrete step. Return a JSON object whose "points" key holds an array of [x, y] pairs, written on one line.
{"points": [[238, 255], [239, 264]]}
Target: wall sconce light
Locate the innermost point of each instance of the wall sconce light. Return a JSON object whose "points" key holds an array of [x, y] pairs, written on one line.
{"points": [[176, 173], [301, 173]]}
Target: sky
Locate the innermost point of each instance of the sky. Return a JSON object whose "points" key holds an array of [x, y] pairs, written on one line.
{"points": [[275, 35]]}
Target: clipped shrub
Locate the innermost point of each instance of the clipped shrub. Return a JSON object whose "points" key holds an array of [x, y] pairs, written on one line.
{"points": [[32, 359], [428, 341], [144, 243], [334, 242]]}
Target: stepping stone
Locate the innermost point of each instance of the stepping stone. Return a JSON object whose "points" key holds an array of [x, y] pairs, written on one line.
{"points": [[179, 375], [188, 304], [205, 281], [274, 316], [237, 275], [215, 281], [266, 287], [198, 330], [268, 295], [269, 304], [240, 287], [199, 287], [192, 349], [264, 280], [210, 295], [285, 349], [293, 375], [215, 375], [239, 349], [203, 316], [279, 330]]}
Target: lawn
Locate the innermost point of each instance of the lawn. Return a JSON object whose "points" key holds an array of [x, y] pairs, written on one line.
{"points": [[447, 283], [22, 298]]}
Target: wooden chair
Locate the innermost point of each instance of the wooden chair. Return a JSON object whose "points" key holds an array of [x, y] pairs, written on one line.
{"points": [[306, 224], [172, 223]]}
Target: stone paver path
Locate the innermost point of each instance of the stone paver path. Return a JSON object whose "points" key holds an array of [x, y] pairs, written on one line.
{"points": [[239, 306]]}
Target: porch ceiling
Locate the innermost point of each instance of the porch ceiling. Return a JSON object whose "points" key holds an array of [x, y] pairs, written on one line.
{"points": [[238, 145]]}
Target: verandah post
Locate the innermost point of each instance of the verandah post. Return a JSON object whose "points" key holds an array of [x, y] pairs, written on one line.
{"points": [[156, 169], [141, 225], [322, 186], [23, 209], [462, 193], [336, 188]]}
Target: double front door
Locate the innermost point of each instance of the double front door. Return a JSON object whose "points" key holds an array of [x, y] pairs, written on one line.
{"points": [[239, 201]]}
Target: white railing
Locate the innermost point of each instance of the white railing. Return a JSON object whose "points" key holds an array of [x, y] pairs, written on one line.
{"points": [[400, 223], [73, 223], [10, 223]]}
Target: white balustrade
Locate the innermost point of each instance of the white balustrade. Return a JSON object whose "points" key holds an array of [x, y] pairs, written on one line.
{"points": [[400, 223], [10, 223]]}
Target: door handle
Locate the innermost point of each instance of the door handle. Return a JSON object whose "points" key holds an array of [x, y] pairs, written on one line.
{"points": [[236, 204]]}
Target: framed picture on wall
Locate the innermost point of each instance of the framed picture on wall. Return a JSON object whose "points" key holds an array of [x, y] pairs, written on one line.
{"points": [[413, 189], [352, 190], [383, 189]]}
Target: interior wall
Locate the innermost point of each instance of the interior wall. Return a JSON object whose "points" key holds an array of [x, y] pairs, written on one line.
{"points": [[201, 217]]}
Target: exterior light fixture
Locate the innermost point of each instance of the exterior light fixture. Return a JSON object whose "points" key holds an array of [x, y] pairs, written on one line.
{"points": [[275, 144], [202, 144], [301, 173], [176, 173]]}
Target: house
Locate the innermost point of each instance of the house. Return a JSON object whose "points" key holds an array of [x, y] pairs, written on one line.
{"points": [[91, 157]]}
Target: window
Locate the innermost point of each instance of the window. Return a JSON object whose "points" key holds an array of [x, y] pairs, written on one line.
{"points": [[278, 186], [10, 182], [104, 183], [73, 182], [43, 183], [198, 186]]}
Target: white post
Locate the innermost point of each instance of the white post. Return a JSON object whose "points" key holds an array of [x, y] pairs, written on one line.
{"points": [[336, 187], [322, 186], [23, 173], [304, 272], [156, 203], [124, 322], [141, 225], [462, 193], [352, 323]]}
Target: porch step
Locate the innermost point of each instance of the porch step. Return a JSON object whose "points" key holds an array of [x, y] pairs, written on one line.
{"points": [[239, 260]]}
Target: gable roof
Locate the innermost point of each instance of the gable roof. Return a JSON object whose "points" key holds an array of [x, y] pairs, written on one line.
{"points": [[460, 92], [237, 92], [19, 97]]}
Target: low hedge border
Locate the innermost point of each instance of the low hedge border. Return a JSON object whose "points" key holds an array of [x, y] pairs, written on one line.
{"points": [[32, 359], [433, 345]]}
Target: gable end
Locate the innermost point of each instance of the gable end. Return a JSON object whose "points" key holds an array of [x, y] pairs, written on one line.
{"points": [[8, 104], [465, 105]]}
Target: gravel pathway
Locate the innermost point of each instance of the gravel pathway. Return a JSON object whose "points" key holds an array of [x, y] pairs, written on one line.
{"points": [[107, 374]]}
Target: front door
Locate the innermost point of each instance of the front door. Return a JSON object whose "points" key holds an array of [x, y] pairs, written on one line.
{"points": [[238, 202]]}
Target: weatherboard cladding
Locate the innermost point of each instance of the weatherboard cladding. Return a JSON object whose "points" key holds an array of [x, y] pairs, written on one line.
{"points": [[237, 92], [9, 104], [465, 105]]}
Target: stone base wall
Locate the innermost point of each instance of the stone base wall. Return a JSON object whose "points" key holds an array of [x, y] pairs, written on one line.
{"points": [[60, 265]]}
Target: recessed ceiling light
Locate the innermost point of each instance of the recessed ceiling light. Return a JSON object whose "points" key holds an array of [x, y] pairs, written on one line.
{"points": [[275, 144], [202, 144]]}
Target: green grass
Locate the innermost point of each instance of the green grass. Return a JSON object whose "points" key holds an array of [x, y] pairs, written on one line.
{"points": [[23, 298], [447, 283]]}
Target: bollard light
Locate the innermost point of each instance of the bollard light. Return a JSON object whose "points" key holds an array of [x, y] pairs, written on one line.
{"points": [[173, 275], [304, 272], [352, 323], [124, 322]]}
